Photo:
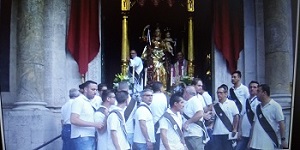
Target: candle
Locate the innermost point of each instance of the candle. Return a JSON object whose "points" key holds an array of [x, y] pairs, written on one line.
{"points": [[182, 71], [133, 74], [145, 77], [171, 80]]}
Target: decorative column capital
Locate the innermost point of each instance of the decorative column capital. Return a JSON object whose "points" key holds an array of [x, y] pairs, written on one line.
{"points": [[190, 5], [125, 5]]}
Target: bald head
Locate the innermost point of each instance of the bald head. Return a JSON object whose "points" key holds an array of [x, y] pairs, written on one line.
{"points": [[189, 92], [123, 86]]}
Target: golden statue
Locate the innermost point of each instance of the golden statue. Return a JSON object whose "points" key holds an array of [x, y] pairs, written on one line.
{"points": [[156, 55]]}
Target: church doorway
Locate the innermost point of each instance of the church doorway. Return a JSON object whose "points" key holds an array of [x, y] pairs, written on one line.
{"points": [[172, 18]]}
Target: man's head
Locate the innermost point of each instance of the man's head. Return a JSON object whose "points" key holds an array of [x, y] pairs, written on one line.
{"points": [[101, 88], [189, 92], [89, 89], [73, 93], [236, 77], [198, 84], [263, 92], [147, 96], [176, 102], [253, 86], [179, 56], [122, 97], [108, 96], [157, 87], [123, 86], [222, 92], [133, 53]]}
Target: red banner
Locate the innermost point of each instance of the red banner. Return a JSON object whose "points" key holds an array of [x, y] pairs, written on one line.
{"points": [[228, 30], [83, 36]]}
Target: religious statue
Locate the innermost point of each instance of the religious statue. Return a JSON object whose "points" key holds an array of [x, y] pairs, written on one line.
{"points": [[157, 57], [170, 43]]}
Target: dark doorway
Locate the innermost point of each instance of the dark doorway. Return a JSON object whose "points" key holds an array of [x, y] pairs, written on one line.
{"points": [[174, 18]]}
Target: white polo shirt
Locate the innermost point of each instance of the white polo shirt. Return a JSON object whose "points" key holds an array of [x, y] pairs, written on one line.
{"points": [[207, 98], [66, 111], [84, 109], [172, 136], [158, 106], [190, 108], [230, 109], [142, 113], [114, 124], [273, 113]]}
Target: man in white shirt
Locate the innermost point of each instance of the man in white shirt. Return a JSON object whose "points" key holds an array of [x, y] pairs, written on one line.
{"points": [[117, 134], [194, 110], [95, 102], [171, 133], [65, 119], [247, 117], [109, 98], [225, 109], [136, 64], [206, 101], [129, 111], [158, 107], [239, 92], [144, 127], [82, 118], [270, 111]]}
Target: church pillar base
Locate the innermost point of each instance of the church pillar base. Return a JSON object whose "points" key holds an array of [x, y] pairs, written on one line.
{"points": [[30, 106], [29, 129]]}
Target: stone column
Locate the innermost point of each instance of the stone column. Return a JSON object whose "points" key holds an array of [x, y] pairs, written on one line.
{"points": [[30, 124], [30, 55], [278, 46], [55, 83]]}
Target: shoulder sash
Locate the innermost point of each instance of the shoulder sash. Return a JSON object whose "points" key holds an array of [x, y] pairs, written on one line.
{"points": [[225, 120], [266, 125], [174, 124], [235, 99], [249, 111], [129, 108]]}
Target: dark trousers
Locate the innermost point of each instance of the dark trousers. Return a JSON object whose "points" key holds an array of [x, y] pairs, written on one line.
{"points": [[66, 137], [221, 142], [242, 143], [209, 144], [157, 136]]}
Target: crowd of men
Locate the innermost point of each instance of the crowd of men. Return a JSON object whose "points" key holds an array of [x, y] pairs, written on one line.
{"points": [[240, 118]]}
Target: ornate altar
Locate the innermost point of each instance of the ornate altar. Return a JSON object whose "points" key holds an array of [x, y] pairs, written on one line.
{"points": [[157, 52]]}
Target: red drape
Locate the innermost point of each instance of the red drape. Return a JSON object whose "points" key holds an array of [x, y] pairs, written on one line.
{"points": [[228, 30], [83, 36]]}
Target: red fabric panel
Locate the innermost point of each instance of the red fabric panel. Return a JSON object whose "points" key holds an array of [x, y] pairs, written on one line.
{"points": [[228, 30], [83, 36]]}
